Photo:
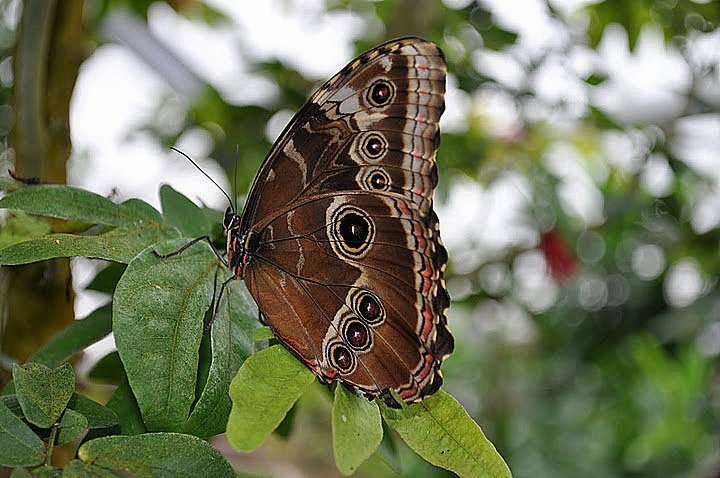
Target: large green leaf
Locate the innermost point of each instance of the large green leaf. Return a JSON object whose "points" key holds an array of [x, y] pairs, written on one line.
{"points": [[357, 429], [140, 227], [119, 245], [43, 393], [181, 212], [158, 312], [264, 389], [232, 343], [76, 337], [441, 431], [19, 446], [66, 202], [157, 455]]}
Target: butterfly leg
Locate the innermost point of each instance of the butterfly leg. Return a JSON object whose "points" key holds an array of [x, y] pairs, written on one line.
{"points": [[189, 244], [216, 304]]}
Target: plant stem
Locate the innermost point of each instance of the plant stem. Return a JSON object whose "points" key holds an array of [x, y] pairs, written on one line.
{"points": [[51, 444]]}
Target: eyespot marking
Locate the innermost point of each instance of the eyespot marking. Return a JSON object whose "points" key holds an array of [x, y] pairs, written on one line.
{"points": [[369, 308], [352, 231], [373, 147], [341, 358], [381, 93], [357, 334]]}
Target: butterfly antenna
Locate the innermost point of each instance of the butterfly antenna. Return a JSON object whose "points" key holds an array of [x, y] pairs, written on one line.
{"points": [[206, 175], [237, 157]]}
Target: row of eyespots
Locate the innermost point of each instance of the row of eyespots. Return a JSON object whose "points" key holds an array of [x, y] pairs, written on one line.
{"points": [[374, 145], [356, 333], [355, 230]]}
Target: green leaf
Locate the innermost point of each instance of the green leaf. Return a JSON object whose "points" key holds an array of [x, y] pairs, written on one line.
{"points": [[75, 338], [119, 245], [181, 212], [631, 15], [123, 403], [106, 280], [12, 403], [48, 472], [495, 38], [264, 389], [65, 202], [43, 393], [263, 333], [19, 446], [286, 425], [108, 369], [595, 79], [157, 455], [357, 429], [387, 451], [140, 225], [441, 431], [72, 425], [97, 415], [80, 469], [602, 120], [158, 312], [21, 227], [232, 343], [20, 473]]}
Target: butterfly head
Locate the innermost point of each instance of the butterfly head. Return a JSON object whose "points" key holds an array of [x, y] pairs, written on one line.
{"points": [[231, 220]]}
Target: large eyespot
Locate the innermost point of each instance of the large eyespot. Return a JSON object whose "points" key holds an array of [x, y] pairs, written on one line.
{"points": [[373, 146], [341, 358], [369, 308], [353, 231], [357, 334], [380, 93]]}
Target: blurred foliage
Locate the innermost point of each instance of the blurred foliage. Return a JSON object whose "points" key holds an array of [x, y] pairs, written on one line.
{"points": [[603, 363]]}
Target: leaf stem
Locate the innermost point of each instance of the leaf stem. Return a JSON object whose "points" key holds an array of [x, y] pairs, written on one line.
{"points": [[51, 443]]}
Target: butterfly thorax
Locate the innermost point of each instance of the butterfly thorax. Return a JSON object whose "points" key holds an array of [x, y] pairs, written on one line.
{"points": [[240, 244]]}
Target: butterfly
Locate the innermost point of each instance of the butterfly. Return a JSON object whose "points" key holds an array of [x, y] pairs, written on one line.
{"points": [[338, 242]]}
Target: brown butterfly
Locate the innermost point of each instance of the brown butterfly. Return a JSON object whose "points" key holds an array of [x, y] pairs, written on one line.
{"points": [[338, 242]]}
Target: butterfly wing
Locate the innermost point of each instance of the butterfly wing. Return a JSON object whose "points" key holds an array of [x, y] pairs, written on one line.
{"points": [[347, 260]]}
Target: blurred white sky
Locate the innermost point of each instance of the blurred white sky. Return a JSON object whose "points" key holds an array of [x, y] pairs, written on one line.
{"points": [[116, 93]]}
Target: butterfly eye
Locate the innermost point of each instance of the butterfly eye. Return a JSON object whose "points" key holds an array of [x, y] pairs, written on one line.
{"points": [[341, 358], [357, 335], [229, 216], [380, 93]]}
